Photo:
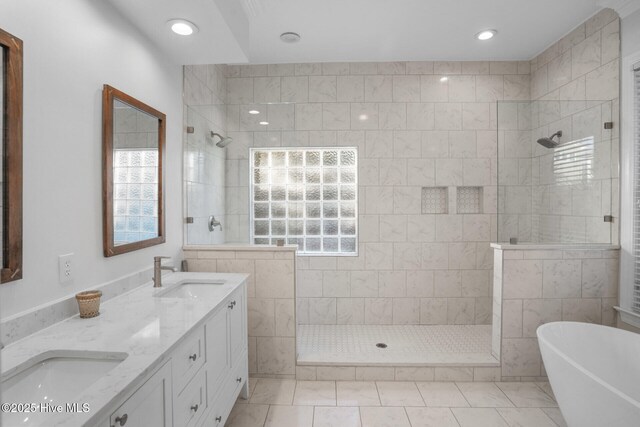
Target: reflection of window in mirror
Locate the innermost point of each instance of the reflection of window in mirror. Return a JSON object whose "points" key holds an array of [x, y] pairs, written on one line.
{"points": [[135, 175], [134, 136]]}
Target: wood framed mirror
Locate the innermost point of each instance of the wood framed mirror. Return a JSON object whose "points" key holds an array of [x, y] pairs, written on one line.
{"points": [[133, 152], [11, 125]]}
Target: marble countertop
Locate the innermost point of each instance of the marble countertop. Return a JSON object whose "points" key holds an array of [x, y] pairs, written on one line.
{"points": [[526, 246], [144, 327]]}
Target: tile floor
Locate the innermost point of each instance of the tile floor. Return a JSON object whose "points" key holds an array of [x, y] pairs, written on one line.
{"points": [[406, 345], [291, 403]]}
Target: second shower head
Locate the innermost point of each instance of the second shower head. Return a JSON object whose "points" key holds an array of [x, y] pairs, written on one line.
{"points": [[549, 142], [224, 140]]}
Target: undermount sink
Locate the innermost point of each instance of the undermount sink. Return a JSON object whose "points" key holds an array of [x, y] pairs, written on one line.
{"points": [[54, 378], [194, 290]]}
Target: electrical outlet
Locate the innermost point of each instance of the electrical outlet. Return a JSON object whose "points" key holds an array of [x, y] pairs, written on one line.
{"points": [[66, 269]]}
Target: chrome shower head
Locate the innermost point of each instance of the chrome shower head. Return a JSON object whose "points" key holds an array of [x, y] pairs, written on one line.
{"points": [[224, 140], [549, 142]]}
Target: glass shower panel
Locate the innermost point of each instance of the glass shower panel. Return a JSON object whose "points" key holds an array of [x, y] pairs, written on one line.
{"points": [[556, 171], [204, 180]]}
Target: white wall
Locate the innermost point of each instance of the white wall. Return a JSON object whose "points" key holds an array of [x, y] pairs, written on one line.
{"points": [[72, 48], [630, 35]]}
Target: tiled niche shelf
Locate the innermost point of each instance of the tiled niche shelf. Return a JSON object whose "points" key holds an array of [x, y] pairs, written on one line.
{"points": [[435, 200], [469, 200]]}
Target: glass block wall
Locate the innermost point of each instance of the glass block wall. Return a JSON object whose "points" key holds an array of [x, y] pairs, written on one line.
{"points": [[307, 197]]}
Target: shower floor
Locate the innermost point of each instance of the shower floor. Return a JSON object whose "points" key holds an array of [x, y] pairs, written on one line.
{"points": [[407, 345]]}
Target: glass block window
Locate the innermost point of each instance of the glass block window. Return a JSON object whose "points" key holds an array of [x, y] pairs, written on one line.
{"points": [[135, 195], [307, 197]]}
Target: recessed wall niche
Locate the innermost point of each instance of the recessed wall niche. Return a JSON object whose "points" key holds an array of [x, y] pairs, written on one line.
{"points": [[469, 200], [435, 200]]}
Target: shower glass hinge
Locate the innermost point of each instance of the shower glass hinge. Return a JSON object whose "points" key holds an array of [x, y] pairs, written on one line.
{"points": [[608, 125], [190, 129], [608, 218], [189, 220]]}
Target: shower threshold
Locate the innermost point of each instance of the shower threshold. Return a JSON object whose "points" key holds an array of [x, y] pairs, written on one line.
{"points": [[395, 345]]}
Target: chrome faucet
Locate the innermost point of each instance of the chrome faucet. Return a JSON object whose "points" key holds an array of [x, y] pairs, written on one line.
{"points": [[157, 270]]}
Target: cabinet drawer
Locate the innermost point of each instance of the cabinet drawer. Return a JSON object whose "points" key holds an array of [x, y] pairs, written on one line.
{"points": [[191, 402], [187, 359], [150, 405]]}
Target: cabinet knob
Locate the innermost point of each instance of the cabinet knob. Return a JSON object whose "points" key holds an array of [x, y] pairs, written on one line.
{"points": [[230, 306], [239, 379], [219, 418], [194, 408], [122, 420], [193, 357]]}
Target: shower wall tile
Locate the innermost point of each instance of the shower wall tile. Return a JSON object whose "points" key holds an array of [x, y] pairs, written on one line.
{"points": [[534, 287], [270, 291]]}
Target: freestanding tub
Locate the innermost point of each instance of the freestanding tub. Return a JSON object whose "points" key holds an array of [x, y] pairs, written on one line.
{"points": [[594, 372]]}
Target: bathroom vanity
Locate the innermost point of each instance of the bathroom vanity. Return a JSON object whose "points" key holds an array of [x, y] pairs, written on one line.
{"points": [[170, 356]]}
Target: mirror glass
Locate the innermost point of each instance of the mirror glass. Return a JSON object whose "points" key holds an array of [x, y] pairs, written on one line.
{"points": [[133, 151], [2, 191], [11, 158]]}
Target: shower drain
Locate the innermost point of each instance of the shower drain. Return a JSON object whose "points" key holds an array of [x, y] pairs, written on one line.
{"points": [[381, 345]]}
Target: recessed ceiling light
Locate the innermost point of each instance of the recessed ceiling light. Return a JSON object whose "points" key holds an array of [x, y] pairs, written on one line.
{"points": [[264, 123], [486, 34], [182, 27], [444, 79], [290, 37], [254, 112]]}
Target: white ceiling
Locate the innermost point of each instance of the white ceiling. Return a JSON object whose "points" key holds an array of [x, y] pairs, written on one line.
{"points": [[238, 31]]}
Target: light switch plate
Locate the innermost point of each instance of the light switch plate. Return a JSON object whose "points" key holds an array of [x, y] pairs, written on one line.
{"points": [[66, 271]]}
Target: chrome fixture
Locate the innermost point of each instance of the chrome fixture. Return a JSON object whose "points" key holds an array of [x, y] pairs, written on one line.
{"points": [[213, 223], [157, 270], [549, 142], [224, 140]]}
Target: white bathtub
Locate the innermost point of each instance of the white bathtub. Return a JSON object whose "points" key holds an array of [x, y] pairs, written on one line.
{"points": [[594, 372]]}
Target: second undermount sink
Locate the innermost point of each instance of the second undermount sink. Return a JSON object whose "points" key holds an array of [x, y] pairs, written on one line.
{"points": [[195, 290], [54, 378]]}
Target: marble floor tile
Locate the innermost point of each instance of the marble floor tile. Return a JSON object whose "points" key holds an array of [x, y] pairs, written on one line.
{"points": [[327, 416], [289, 416], [546, 387], [556, 416], [442, 394], [484, 395], [247, 416], [527, 395], [526, 417], [479, 417], [273, 392], [399, 393], [431, 417], [357, 393], [383, 417], [315, 393]]}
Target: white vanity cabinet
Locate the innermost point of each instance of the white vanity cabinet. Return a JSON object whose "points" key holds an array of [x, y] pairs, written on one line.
{"points": [[201, 381], [227, 363]]}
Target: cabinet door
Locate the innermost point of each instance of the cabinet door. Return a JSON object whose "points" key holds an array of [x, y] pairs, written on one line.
{"points": [[217, 351], [237, 327], [150, 405]]}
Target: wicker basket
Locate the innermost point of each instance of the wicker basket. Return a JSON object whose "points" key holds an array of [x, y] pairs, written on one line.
{"points": [[89, 303]]}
